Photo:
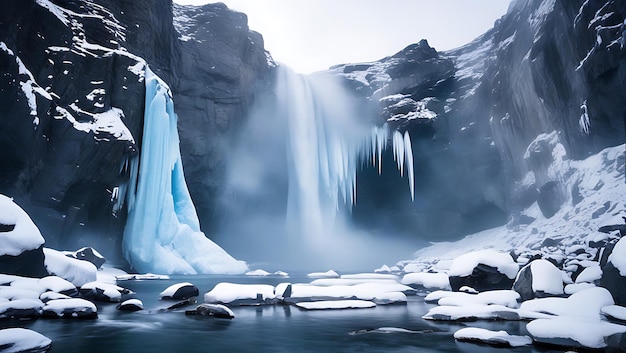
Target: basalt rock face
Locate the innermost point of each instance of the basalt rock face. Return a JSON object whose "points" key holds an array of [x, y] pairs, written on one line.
{"points": [[473, 114], [72, 102]]}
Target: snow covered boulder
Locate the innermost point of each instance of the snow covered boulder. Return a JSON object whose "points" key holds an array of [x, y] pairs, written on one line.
{"points": [[70, 308], [483, 270], [614, 272], [14, 340], [428, 281], [213, 310], [88, 254], [573, 331], [179, 291], [241, 294], [21, 309], [76, 271], [130, 305], [103, 292], [21, 243], [539, 279], [494, 338]]}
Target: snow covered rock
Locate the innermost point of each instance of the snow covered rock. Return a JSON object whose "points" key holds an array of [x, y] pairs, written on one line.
{"points": [[614, 271], [21, 309], [241, 294], [336, 304], [573, 331], [380, 293], [585, 303], [614, 312], [483, 270], [70, 309], [538, 279], [103, 292], [88, 254], [21, 242], [496, 338], [214, 310], [130, 305], [78, 272], [427, 280], [475, 312], [179, 291], [17, 340]]}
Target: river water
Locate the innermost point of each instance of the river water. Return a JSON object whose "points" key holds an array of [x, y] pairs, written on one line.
{"points": [[274, 329]]}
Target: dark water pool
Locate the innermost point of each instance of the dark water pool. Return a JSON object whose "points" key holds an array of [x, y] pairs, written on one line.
{"points": [[274, 329]]}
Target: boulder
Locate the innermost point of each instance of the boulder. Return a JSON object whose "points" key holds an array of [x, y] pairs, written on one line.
{"points": [[103, 292], [179, 291], [70, 309], [483, 270], [539, 279], [88, 254], [23, 340], [130, 305], [21, 309], [214, 310], [21, 243], [614, 271]]}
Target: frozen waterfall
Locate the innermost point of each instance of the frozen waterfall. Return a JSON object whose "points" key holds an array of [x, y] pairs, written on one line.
{"points": [[162, 233], [327, 145]]}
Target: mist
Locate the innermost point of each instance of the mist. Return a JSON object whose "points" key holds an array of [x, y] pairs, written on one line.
{"points": [[292, 176]]}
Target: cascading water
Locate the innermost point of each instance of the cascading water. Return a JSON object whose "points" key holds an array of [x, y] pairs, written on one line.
{"points": [[162, 233], [307, 181]]}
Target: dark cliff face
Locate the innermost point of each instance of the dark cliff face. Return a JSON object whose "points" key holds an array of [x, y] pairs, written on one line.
{"points": [[221, 67], [472, 113], [72, 101]]}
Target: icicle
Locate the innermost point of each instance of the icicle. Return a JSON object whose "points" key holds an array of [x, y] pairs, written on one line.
{"points": [[398, 150], [408, 153]]}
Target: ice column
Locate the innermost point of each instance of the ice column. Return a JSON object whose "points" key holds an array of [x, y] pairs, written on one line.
{"points": [[162, 233]]}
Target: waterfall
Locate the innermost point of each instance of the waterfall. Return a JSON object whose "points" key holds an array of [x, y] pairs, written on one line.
{"points": [[292, 176], [162, 233], [327, 145]]}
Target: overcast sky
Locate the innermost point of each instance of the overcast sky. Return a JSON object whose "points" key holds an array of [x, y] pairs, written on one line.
{"points": [[311, 35]]}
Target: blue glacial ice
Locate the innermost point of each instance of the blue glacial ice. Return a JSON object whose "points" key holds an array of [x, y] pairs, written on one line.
{"points": [[162, 233]]}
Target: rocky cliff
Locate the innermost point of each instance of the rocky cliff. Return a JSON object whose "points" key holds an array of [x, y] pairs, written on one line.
{"points": [[474, 112], [72, 102]]}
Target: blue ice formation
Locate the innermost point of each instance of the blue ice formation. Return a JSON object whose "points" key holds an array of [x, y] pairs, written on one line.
{"points": [[162, 233], [327, 144]]}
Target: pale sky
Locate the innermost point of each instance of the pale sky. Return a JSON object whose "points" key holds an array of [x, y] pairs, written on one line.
{"points": [[312, 35]]}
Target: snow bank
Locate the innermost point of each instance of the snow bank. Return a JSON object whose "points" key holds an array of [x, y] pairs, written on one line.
{"points": [[24, 236]]}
